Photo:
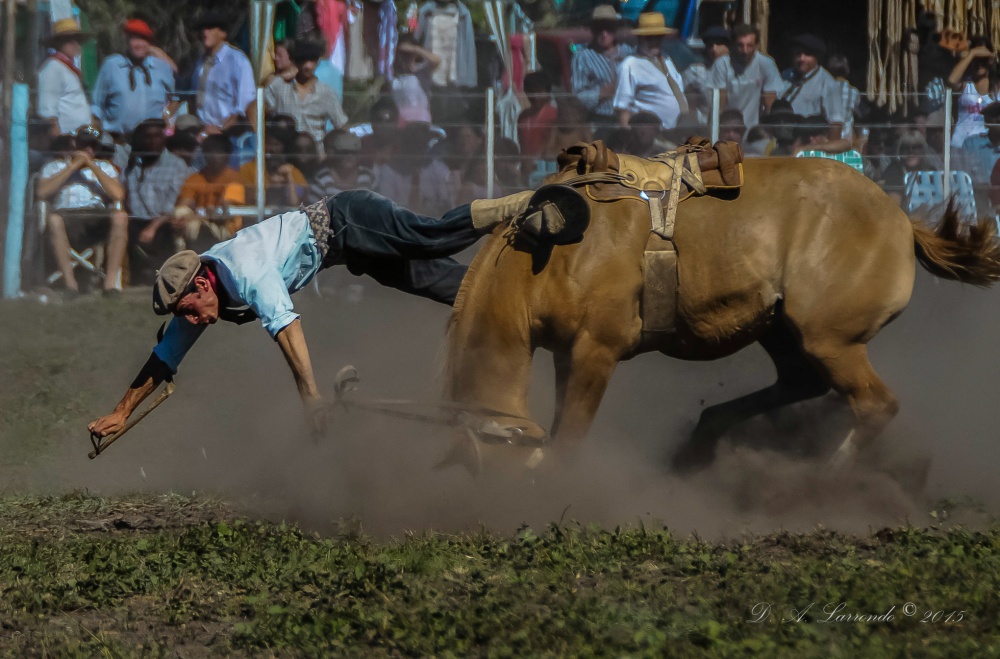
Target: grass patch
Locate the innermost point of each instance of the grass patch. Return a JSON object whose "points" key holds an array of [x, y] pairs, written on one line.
{"points": [[154, 575]]}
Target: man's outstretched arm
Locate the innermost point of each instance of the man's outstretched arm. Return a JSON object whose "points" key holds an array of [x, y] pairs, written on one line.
{"points": [[292, 342], [150, 376]]}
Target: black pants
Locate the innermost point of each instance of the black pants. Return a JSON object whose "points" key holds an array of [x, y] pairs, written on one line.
{"points": [[396, 247]]}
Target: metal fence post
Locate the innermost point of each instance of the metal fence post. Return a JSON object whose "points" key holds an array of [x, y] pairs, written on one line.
{"points": [[716, 102], [490, 140], [946, 184]]}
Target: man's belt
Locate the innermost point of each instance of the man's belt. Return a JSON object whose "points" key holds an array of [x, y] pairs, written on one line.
{"points": [[319, 222]]}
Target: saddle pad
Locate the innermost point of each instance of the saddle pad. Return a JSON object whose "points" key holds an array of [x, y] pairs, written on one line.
{"points": [[658, 304]]}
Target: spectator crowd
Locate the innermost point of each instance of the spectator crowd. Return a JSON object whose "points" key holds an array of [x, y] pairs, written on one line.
{"points": [[157, 160]]}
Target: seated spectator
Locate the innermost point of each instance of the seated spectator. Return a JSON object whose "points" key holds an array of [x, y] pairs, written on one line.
{"points": [[731, 127], [644, 136], [648, 81], [595, 66], [305, 154], [153, 177], [82, 190], [914, 155], [284, 184], [206, 196], [411, 86], [341, 170], [307, 100], [759, 142], [508, 168], [185, 143], [979, 153], [571, 126], [840, 69], [535, 123]]}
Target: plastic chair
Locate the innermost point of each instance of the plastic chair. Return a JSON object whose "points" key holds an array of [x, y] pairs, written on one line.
{"points": [[926, 188], [850, 158]]}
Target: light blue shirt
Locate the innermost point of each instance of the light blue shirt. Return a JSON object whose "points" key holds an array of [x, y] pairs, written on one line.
{"points": [[260, 267], [230, 86], [119, 107]]}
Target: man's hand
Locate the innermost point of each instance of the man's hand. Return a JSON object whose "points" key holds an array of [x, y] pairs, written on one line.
{"points": [[108, 425], [980, 51], [79, 159]]}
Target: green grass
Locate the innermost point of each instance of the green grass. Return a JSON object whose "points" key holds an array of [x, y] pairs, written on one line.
{"points": [[81, 575], [166, 576]]}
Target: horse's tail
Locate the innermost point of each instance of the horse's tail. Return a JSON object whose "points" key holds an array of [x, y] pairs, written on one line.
{"points": [[969, 253]]}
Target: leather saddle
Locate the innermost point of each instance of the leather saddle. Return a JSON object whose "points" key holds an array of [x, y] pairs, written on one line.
{"points": [[663, 181]]}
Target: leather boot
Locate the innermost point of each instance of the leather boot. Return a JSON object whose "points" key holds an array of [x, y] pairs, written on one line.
{"points": [[487, 214]]}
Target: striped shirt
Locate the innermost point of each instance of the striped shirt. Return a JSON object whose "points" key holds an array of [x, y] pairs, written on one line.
{"points": [[593, 70], [153, 190]]}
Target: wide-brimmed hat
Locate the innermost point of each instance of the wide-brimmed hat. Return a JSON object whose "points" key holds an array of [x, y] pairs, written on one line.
{"points": [[605, 14], [137, 27], [717, 34], [810, 44], [63, 30], [212, 18], [652, 24], [173, 279]]}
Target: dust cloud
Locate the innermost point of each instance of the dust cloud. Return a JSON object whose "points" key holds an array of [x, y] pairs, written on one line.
{"points": [[235, 429]]}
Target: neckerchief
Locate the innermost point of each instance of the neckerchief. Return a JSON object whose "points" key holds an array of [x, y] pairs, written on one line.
{"points": [[132, 66], [796, 87], [68, 61]]}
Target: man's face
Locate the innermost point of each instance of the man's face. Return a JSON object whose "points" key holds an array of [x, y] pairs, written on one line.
{"points": [[744, 48], [604, 35], [732, 132], [992, 128], [645, 133], [345, 164], [70, 48], [275, 152], [138, 48], [650, 46], [307, 70], [200, 307], [212, 37], [216, 161], [155, 140], [804, 62]]}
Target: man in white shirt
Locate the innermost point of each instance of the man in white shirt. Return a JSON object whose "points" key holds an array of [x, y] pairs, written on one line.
{"points": [[813, 91], [649, 82], [223, 77], [745, 77], [61, 98], [83, 189]]}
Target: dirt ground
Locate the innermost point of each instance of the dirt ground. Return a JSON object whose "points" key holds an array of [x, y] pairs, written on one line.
{"points": [[234, 427]]}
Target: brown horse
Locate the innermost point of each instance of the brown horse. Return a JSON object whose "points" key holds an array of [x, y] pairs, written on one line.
{"points": [[811, 259]]}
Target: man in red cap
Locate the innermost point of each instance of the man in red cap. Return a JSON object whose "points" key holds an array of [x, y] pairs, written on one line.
{"points": [[135, 86]]}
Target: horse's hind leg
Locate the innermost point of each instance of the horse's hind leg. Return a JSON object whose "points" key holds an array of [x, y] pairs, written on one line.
{"points": [[798, 380]]}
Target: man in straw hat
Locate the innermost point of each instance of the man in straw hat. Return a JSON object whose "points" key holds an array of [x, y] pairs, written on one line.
{"points": [[133, 86], [253, 275], [61, 98], [649, 81], [595, 67]]}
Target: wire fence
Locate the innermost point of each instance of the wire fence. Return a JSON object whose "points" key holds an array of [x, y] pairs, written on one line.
{"points": [[481, 145]]}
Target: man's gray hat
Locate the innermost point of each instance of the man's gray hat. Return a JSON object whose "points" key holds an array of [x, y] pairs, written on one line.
{"points": [[173, 279]]}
